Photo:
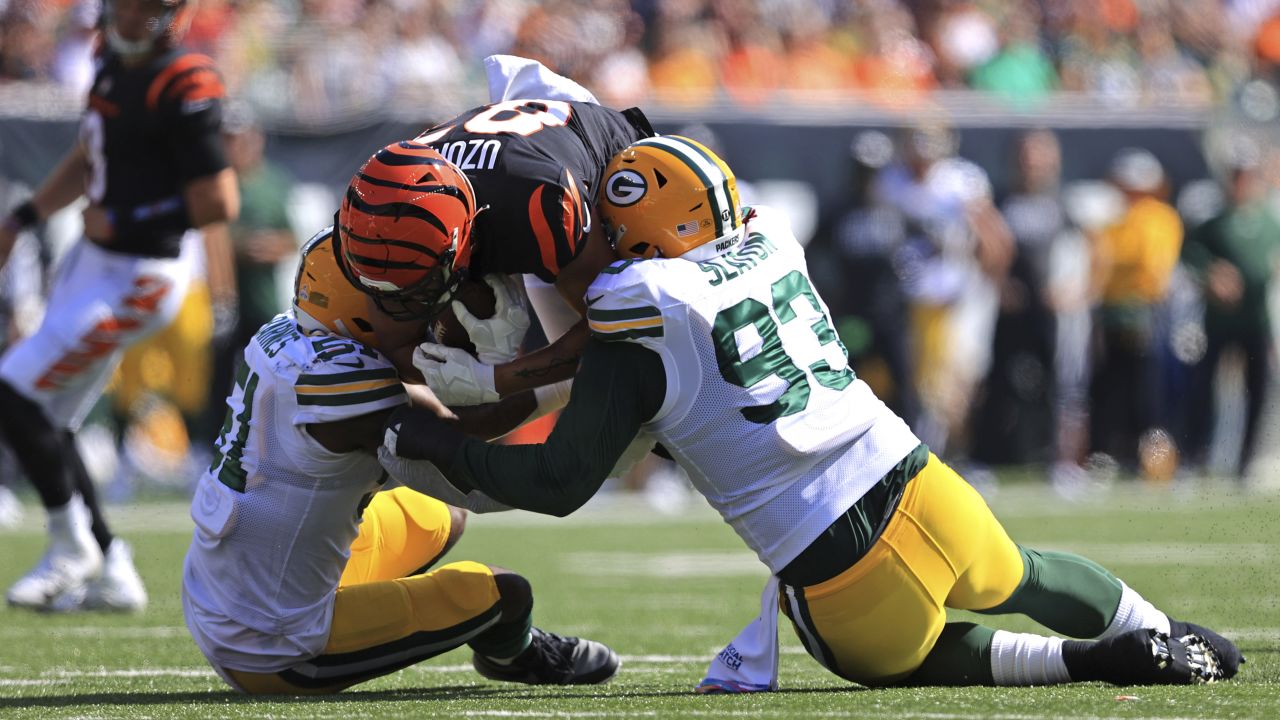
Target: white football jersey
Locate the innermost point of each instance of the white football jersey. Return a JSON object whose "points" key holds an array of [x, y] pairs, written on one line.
{"points": [[761, 409], [276, 513]]}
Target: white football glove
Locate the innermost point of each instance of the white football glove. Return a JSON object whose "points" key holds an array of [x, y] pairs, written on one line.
{"points": [[454, 376], [498, 338]]}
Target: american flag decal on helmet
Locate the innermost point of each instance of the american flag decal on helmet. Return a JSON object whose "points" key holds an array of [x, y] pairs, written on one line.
{"points": [[686, 229]]}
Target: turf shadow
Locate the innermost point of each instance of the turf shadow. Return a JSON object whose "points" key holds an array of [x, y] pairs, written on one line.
{"points": [[567, 693], [228, 697]]}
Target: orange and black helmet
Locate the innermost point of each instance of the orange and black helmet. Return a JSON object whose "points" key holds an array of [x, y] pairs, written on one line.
{"points": [[405, 229]]}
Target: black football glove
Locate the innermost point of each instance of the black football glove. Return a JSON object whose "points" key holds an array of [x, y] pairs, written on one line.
{"points": [[418, 434]]}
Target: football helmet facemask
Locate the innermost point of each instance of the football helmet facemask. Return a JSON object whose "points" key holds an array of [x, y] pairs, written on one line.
{"points": [[669, 196], [164, 29], [324, 300], [405, 229]]}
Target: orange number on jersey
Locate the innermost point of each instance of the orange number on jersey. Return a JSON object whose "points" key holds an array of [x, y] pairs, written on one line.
{"points": [[520, 117]]}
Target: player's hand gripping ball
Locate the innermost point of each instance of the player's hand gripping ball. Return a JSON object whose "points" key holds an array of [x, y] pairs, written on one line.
{"points": [[479, 299]]}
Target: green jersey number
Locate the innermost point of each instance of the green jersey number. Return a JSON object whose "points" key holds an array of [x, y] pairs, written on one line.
{"points": [[773, 358], [228, 452]]}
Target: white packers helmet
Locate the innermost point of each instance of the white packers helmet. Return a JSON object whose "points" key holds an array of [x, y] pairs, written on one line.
{"points": [[668, 196]]}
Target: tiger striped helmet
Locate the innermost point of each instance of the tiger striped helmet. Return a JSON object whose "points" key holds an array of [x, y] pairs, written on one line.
{"points": [[405, 229], [667, 196]]}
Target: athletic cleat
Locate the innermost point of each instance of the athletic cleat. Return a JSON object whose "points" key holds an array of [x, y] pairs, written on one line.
{"points": [[1228, 654], [1149, 657], [118, 588], [66, 566], [554, 660]]}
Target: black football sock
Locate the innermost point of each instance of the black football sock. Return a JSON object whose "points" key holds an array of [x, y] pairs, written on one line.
{"points": [[84, 485], [38, 447]]}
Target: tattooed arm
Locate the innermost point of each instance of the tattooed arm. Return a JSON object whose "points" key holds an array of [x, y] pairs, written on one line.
{"points": [[558, 361]]}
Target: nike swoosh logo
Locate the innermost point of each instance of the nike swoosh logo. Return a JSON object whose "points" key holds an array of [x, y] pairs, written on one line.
{"points": [[592, 300], [357, 364]]}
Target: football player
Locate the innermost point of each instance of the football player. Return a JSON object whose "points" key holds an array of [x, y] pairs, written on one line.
{"points": [[711, 337], [536, 167], [304, 575], [150, 160]]}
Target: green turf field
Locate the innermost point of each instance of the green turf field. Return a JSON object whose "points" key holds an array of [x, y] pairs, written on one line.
{"points": [[667, 593]]}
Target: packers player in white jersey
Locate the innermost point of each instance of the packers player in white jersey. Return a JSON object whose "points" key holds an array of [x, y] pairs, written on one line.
{"points": [[304, 575], [711, 337]]}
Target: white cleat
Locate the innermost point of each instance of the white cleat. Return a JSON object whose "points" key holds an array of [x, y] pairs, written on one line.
{"points": [[118, 588], [66, 566]]}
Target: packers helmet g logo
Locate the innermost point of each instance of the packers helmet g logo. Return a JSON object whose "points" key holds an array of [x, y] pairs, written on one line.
{"points": [[625, 187]]}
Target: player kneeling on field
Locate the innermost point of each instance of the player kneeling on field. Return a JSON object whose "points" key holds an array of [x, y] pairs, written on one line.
{"points": [[711, 338], [303, 575]]}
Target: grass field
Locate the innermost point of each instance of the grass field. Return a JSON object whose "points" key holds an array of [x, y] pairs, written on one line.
{"points": [[667, 593]]}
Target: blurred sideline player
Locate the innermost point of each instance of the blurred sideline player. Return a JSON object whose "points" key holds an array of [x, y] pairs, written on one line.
{"points": [[719, 347], [303, 575], [150, 159], [536, 166]]}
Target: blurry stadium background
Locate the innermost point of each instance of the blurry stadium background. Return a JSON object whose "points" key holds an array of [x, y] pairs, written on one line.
{"points": [[1007, 203], [955, 166]]}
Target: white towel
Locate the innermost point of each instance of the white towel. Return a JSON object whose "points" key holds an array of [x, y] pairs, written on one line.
{"points": [[516, 78], [750, 662]]}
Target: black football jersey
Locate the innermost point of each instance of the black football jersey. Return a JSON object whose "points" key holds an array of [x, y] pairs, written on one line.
{"points": [[149, 129], [536, 167]]}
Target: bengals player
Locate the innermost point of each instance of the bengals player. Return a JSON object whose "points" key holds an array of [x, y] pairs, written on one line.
{"points": [[149, 157], [535, 169]]}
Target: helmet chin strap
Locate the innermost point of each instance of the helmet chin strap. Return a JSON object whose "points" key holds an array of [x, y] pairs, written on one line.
{"points": [[129, 48]]}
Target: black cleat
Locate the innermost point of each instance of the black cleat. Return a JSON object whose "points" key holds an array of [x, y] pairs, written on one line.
{"points": [[1148, 657], [554, 660], [1228, 654]]}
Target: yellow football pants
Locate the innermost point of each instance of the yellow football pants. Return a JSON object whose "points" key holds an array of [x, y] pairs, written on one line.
{"points": [[382, 620], [875, 622], [174, 363]]}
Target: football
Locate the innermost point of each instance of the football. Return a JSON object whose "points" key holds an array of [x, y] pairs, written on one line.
{"points": [[477, 297]]}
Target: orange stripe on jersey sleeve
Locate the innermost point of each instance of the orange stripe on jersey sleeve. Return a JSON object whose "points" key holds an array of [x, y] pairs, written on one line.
{"points": [[574, 212], [542, 231], [177, 67], [203, 84]]}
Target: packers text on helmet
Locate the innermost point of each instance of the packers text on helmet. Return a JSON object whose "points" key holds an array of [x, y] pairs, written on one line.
{"points": [[324, 300], [405, 229], [669, 196]]}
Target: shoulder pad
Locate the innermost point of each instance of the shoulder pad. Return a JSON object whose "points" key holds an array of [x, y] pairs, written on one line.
{"points": [[624, 304], [190, 83], [342, 379]]}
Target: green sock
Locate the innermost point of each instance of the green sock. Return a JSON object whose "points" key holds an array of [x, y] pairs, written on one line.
{"points": [[962, 656], [505, 640], [1066, 593]]}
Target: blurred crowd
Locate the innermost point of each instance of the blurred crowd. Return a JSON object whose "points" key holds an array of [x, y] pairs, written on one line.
{"points": [[316, 60], [1086, 326]]}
